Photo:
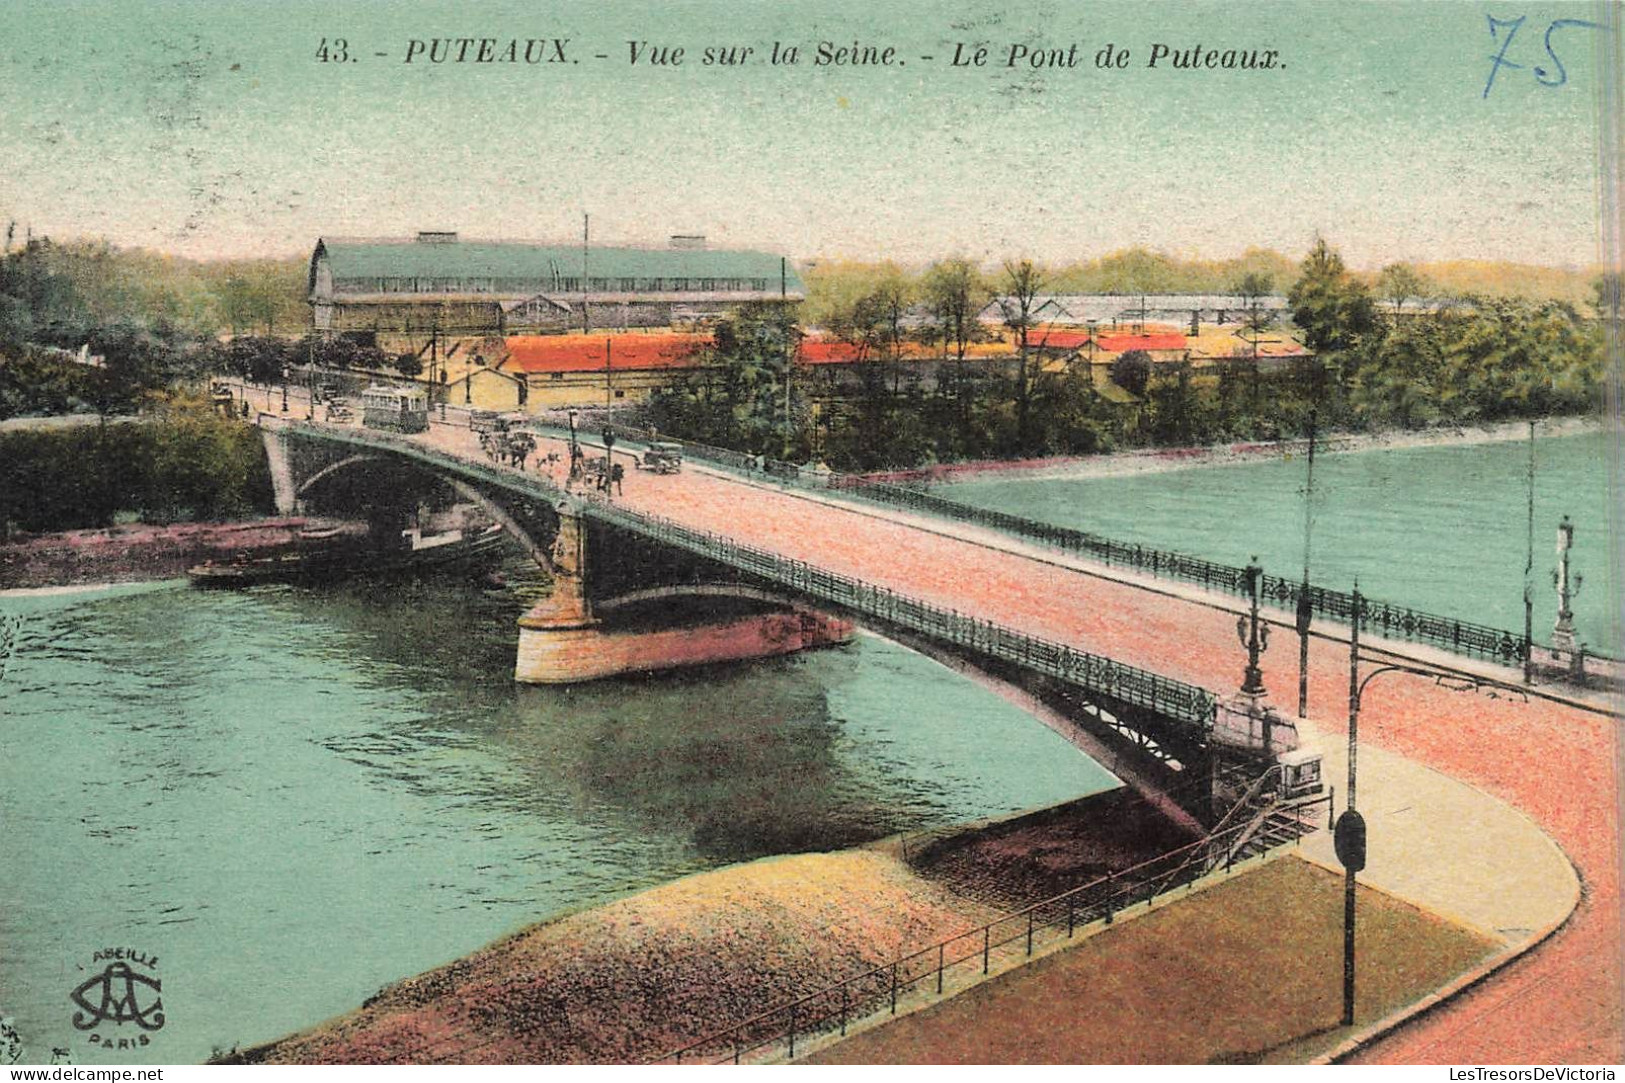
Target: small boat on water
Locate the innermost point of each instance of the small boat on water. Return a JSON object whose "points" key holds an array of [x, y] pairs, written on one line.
{"points": [[332, 561]]}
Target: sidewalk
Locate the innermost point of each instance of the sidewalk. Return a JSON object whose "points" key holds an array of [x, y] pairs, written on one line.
{"points": [[1448, 847]]}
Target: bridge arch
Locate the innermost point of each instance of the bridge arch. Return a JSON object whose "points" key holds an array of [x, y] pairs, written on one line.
{"points": [[334, 468], [495, 511], [700, 590]]}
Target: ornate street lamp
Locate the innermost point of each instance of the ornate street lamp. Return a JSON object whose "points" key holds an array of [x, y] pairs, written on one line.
{"points": [[1253, 633]]}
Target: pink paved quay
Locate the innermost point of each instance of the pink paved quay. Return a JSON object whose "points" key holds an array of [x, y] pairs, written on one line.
{"points": [[1558, 763]]}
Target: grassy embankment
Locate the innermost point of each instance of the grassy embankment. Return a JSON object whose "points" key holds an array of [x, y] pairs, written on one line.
{"points": [[1249, 971]]}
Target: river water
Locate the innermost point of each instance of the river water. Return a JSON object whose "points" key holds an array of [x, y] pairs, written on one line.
{"points": [[1441, 529], [290, 797]]}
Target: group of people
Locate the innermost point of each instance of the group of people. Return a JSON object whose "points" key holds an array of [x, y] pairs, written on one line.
{"points": [[604, 475], [512, 448]]}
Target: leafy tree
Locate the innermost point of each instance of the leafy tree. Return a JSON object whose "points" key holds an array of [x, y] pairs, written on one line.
{"points": [[1070, 418], [1514, 358], [753, 354], [1399, 383], [260, 360], [1178, 416], [1138, 272], [1022, 281], [1131, 371], [408, 364], [1330, 305], [1398, 283]]}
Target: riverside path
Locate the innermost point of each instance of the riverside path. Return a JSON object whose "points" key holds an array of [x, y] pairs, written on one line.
{"points": [[1556, 759]]}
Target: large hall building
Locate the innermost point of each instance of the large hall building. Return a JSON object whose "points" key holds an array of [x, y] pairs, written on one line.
{"points": [[438, 283]]}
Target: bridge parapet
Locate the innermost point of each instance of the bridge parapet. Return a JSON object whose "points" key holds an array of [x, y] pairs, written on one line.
{"points": [[1188, 704], [1447, 633]]}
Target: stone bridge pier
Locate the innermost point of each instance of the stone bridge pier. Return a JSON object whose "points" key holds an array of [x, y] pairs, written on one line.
{"points": [[279, 456], [568, 638]]}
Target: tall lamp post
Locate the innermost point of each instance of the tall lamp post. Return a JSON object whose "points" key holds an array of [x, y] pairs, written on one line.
{"points": [[1306, 610], [1348, 836], [1529, 571], [1253, 633], [286, 374], [1349, 833]]}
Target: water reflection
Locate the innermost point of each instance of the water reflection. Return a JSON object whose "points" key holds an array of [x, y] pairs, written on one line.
{"points": [[293, 796]]}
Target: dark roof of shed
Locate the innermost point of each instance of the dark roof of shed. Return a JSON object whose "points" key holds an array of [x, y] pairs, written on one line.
{"points": [[352, 258]]}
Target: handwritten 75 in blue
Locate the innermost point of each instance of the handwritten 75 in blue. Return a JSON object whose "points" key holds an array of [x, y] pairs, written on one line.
{"points": [[1511, 27]]}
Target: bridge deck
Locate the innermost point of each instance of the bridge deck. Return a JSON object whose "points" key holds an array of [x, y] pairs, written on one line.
{"points": [[1556, 762]]}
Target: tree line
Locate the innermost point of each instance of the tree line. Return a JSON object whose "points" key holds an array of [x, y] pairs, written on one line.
{"points": [[1380, 360]]}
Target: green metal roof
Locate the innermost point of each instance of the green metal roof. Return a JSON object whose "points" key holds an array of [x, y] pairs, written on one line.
{"points": [[352, 259]]}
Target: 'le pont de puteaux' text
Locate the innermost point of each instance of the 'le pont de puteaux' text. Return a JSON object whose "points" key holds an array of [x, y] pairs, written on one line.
{"points": [[1110, 56]]}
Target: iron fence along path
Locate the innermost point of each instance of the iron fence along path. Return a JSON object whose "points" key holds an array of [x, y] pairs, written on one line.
{"points": [[1393, 620]]}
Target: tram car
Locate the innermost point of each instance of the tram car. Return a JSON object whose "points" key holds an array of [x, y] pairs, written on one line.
{"points": [[398, 409]]}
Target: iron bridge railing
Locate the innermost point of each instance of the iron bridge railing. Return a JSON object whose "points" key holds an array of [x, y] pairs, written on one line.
{"points": [[1392, 620], [1098, 675]]}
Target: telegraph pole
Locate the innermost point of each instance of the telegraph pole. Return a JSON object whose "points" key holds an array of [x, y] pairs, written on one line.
{"points": [[586, 226], [1349, 834], [1305, 609], [1529, 571]]}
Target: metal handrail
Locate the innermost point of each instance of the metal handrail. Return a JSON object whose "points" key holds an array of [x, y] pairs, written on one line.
{"points": [[1098, 900], [1449, 633], [1095, 673]]}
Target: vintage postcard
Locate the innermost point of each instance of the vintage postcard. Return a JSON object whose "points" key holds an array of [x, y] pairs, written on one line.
{"points": [[737, 531]]}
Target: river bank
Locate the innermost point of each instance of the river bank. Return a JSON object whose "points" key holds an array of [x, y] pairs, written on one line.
{"points": [[1164, 460], [638, 977], [138, 552]]}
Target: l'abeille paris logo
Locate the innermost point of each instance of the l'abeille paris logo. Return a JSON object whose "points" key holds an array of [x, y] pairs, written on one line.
{"points": [[127, 990]]}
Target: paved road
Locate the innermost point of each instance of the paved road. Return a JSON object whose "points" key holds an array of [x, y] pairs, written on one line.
{"points": [[1556, 763]]}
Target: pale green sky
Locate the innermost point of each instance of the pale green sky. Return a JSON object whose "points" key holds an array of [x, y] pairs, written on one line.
{"points": [[211, 129]]}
